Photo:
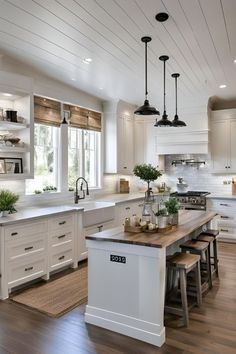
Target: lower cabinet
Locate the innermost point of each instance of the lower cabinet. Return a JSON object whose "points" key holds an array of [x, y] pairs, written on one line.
{"points": [[93, 229], [225, 221], [128, 209], [30, 250]]}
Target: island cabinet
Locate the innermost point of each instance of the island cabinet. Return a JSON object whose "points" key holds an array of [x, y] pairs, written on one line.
{"points": [[223, 141], [33, 249], [127, 276]]}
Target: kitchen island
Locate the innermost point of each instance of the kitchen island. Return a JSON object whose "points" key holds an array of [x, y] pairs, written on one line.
{"points": [[126, 277]]}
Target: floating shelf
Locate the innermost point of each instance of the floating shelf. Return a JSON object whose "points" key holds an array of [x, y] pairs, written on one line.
{"points": [[5, 125], [13, 149]]}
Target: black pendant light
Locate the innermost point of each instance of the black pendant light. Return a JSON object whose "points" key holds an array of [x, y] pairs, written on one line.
{"points": [[146, 109], [176, 122], [164, 121]]}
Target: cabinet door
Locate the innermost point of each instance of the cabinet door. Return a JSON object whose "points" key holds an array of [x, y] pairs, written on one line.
{"points": [[232, 154], [139, 142], [125, 148], [220, 146]]}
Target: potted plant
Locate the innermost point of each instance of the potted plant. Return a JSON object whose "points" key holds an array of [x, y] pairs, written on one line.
{"points": [[147, 173], [7, 201], [162, 218], [172, 207], [50, 188]]}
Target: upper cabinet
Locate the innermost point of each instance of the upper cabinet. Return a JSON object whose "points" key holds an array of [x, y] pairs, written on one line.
{"points": [[16, 127], [119, 137], [145, 143], [223, 141]]}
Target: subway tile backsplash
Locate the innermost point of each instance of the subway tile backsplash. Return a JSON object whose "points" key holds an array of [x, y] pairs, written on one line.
{"points": [[197, 177]]}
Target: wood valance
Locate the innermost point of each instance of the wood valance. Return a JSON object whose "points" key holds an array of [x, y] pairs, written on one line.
{"points": [[83, 118], [47, 111]]}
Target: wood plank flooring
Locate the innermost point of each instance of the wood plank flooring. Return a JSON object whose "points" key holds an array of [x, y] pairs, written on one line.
{"points": [[212, 328]]}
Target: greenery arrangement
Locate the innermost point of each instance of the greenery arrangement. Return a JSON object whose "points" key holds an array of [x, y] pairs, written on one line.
{"points": [[49, 188], [37, 191], [172, 206], [147, 173], [161, 212], [8, 200], [71, 189]]}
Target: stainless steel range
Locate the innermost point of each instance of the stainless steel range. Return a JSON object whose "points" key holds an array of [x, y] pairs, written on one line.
{"points": [[191, 200]]}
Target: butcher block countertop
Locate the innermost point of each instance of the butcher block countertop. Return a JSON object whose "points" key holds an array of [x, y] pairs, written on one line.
{"points": [[189, 221]]}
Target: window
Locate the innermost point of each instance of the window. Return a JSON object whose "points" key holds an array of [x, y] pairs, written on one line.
{"points": [[46, 169], [84, 156]]}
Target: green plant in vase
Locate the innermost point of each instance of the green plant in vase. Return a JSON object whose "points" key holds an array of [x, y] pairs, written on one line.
{"points": [[162, 218], [147, 173], [7, 201], [172, 207]]}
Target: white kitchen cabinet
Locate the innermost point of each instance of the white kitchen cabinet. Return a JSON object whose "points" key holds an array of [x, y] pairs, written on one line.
{"points": [[145, 143], [119, 137], [127, 210], [223, 141], [225, 221], [83, 252], [33, 249]]}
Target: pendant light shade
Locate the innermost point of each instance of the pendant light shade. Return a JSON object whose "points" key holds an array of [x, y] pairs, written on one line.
{"points": [[146, 109], [176, 122], [164, 121]]}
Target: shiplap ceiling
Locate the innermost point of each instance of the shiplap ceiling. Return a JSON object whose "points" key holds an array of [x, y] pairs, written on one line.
{"points": [[55, 36]]}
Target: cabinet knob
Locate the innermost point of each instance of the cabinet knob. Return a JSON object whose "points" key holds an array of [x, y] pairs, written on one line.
{"points": [[100, 228], [127, 208], [124, 167], [28, 269]]}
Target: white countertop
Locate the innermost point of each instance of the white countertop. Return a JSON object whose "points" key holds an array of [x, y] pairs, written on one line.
{"points": [[126, 197], [221, 196]]}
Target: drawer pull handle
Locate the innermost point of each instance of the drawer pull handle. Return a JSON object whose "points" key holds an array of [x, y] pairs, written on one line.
{"points": [[14, 233], [224, 230], [61, 236], [29, 248], [62, 222], [125, 167], [224, 217], [224, 204], [29, 268], [127, 208], [60, 258]]}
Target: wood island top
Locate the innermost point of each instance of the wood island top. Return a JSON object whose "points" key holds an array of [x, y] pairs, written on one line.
{"points": [[189, 221]]}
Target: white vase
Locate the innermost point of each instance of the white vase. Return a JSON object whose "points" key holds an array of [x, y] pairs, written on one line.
{"points": [[5, 212]]}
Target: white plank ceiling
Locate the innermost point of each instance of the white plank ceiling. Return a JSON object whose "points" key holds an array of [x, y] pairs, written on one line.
{"points": [[55, 36]]}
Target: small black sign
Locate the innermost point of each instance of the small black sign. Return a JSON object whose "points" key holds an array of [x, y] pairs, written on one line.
{"points": [[117, 259]]}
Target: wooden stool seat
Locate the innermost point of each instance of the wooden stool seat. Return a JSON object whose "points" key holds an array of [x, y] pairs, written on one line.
{"points": [[213, 233], [183, 263], [202, 249], [205, 238], [183, 260], [194, 245]]}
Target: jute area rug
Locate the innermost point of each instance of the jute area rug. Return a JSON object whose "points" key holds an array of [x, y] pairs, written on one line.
{"points": [[58, 296]]}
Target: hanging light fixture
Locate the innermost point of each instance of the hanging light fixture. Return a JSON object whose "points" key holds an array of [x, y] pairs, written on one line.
{"points": [[176, 122], [146, 109], [164, 121]]}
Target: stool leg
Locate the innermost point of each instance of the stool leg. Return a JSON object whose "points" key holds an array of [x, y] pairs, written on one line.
{"points": [[215, 257], [208, 261], [183, 289], [198, 284]]}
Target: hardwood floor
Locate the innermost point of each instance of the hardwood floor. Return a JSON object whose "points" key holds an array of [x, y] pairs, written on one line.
{"points": [[212, 328]]}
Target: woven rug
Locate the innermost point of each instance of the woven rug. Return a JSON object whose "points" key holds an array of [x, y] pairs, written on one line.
{"points": [[58, 296]]}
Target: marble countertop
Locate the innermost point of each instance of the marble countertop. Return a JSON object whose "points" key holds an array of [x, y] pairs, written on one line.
{"points": [[189, 222], [221, 196]]}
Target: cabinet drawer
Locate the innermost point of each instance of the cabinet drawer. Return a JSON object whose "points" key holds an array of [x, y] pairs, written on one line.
{"points": [[26, 246], [17, 231], [59, 238], [61, 257], [21, 272], [62, 223]]}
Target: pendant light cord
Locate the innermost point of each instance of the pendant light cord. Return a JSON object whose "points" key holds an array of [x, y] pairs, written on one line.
{"points": [[176, 98], [146, 91], [164, 86]]}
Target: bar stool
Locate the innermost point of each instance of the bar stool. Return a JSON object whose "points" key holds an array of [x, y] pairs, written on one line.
{"points": [[182, 264], [201, 249], [212, 251], [213, 233]]}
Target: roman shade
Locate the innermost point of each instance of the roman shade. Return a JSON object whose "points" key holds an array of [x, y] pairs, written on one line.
{"points": [[47, 111], [83, 118]]}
